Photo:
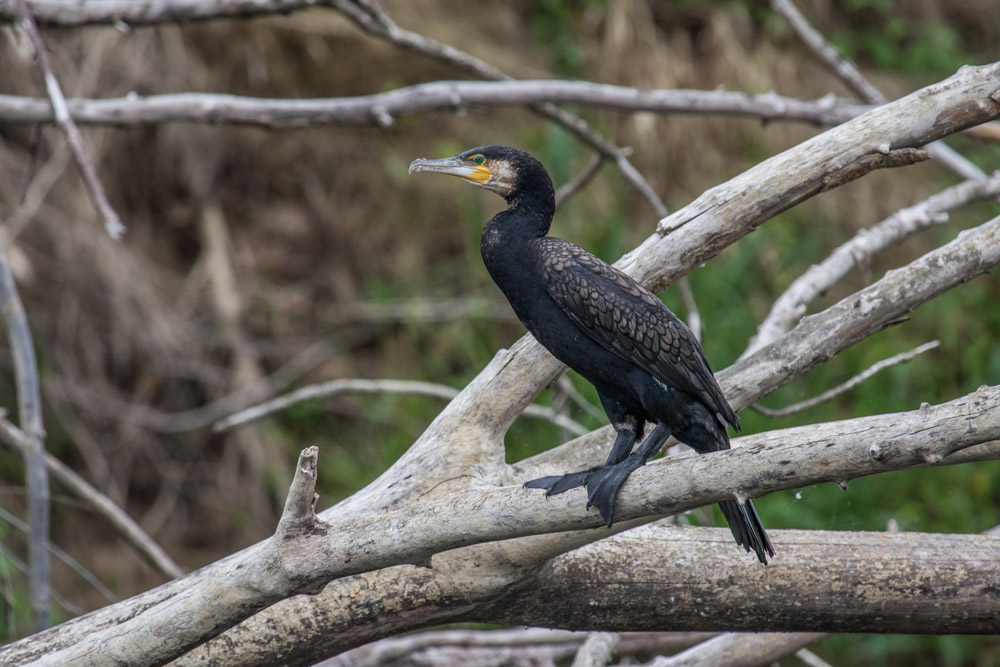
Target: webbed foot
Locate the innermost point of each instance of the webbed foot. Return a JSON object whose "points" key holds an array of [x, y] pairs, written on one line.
{"points": [[602, 490]]}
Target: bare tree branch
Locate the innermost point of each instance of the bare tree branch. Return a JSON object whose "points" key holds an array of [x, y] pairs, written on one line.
{"points": [[383, 386], [370, 17], [567, 190], [791, 305], [129, 530], [306, 553], [112, 223], [531, 645], [733, 209], [828, 54], [596, 651], [690, 307], [70, 562], [900, 358], [841, 66], [29, 404], [383, 108], [125, 13], [741, 649], [634, 589]]}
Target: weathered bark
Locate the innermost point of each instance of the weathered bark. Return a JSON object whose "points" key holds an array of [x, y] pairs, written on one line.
{"points": [[682, 578], [306, 554]]}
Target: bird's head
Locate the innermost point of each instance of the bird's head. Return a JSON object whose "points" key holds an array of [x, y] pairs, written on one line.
{"points": [[509, 172]]}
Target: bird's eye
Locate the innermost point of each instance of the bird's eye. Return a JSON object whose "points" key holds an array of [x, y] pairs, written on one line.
{"points": [[479, 159]]}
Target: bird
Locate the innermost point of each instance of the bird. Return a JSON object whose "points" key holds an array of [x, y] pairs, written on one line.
{"points": [[644, 362]]}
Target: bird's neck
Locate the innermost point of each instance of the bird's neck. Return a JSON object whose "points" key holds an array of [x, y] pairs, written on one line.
{"points": [[507, 237], [505, 246]]}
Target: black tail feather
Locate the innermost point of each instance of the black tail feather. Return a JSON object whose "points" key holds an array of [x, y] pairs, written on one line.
{"points": [[747, 528]]}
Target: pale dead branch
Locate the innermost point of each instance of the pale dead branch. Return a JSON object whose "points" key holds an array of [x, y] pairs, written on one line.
{"points": [[112, 223], [383, 386], [858, 251], [306, 552], [894, 360], [597, 650], [500, 647], [384, 108], [741, 650], [848, 72], [129, 530], [29, 409]]}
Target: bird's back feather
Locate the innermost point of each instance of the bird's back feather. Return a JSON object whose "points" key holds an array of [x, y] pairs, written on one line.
{"points": [[627, 319]]}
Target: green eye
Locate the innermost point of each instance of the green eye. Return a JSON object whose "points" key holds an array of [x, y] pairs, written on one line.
{"points": [[479, 159]]}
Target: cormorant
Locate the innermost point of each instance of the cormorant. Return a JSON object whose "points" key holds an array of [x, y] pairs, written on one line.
{"points": [[644, 362]]}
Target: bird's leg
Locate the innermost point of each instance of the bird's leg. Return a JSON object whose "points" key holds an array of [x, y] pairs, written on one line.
{"points": [[603, 489], [628, 433]]}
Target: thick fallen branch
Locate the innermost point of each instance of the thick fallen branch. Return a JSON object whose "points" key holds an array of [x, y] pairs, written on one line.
{"points": [[307, 553], [384, 108], [821, 580], [727, 212]]}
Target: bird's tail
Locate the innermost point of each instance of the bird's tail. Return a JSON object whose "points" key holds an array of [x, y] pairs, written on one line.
{"points": [[747, 528]]}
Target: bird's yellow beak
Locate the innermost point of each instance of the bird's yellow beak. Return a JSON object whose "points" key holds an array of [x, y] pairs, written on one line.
{"points": [[476, 173]]}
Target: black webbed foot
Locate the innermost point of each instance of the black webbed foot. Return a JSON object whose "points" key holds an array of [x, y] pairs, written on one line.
{"points": [[603, 489], [559, 483]]}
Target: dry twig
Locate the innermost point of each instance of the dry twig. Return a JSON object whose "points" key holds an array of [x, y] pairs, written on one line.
{"points": [[58, 598], [382, 386], [567, 190], [70, 562], [894, 360], [129, 530], [112, 223]]}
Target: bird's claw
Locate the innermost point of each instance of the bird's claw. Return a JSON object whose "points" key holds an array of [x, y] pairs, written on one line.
{"points": [[558, 483]]}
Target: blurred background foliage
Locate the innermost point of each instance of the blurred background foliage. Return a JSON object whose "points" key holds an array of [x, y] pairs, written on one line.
{"points": [[326, 235]]}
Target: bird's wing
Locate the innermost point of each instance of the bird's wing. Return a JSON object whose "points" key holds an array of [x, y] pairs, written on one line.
{"points": [[629, 320]]}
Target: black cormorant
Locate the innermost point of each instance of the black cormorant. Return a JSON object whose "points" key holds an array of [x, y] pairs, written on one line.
{"points": [[644, 362]]}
